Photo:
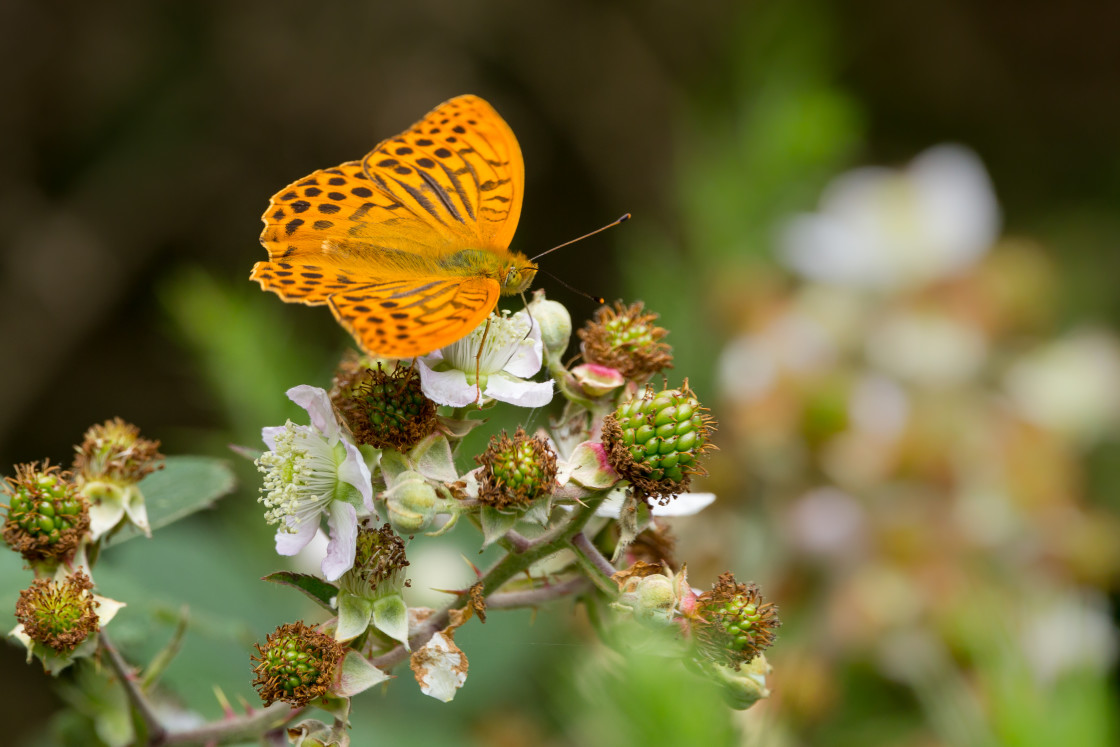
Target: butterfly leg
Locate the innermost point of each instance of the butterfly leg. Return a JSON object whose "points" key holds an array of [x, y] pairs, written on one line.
{"points": [[478, 362]]}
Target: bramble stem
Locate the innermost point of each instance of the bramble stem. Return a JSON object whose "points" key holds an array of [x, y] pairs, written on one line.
{"points": [[507, 600], [245, 728], [599, 569], [502, 571], [136, 697]]}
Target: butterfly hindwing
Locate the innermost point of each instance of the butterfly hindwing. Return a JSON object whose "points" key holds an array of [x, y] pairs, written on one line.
{"points": [[300, 281], [403, 318]]}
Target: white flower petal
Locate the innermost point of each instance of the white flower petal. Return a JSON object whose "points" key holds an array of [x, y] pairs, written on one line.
{"points": [[354, 471], [440, 668], [318, 405], [685, 504], [137, 509], [107, 609], [289, 543], [343, 523], [104, 516], [529, 354], [447, 387], [506, 388], [269, 433]]}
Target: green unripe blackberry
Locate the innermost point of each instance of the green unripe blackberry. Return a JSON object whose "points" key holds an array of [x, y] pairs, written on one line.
{"points": [[732, 623], [58, 614], [626, 339], [656, 440], [386, 409], [47, 518], [297, 664], [516, 471]]}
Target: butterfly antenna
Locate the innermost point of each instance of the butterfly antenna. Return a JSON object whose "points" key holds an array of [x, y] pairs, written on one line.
{"points": [[597, 299], [612, 224]]}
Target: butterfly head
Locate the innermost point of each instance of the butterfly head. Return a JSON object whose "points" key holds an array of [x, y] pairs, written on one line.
{"points": [[516, 277]]}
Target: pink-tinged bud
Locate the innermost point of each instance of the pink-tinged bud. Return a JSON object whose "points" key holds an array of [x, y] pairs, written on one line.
{"points": [[596, 380], [589, 467]]}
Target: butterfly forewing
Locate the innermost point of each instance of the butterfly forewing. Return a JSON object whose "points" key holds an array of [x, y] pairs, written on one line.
{"points": [[404, 318], [422, 222], [460, 166]]}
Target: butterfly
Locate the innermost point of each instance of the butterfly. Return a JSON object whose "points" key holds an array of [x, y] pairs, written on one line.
{"points": [[408, 247]]}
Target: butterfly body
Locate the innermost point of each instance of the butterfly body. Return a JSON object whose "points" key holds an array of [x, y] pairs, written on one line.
{"points": [[409, 246]]}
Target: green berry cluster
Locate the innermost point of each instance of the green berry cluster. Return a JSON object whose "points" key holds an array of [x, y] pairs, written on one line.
{"points": [[296, 664], [665, 433], [516, 471], [46, 516], [734, 624], [626, 339], [655, 441], [740, 620], [388, 410], [58, 614]]}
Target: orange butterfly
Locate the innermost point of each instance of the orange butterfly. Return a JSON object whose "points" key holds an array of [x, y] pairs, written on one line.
{"points": [[409, 246]]}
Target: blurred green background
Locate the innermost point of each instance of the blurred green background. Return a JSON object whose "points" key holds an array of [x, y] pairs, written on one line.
{"points": [[140, 142]]}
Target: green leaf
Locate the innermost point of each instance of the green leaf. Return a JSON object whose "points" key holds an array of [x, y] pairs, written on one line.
{"points": [[393, 464], [353, 616], [186, 484], [316, 589], [495, 524], [433, 459], [390, 616], [358, 675]]}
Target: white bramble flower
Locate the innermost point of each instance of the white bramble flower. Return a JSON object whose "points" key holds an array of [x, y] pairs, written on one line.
{"points": [[888, 229], [310, 471], [1070, 385], [495, 361]]}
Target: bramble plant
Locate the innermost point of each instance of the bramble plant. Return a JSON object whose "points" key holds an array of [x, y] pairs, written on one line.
{"points": [[375, 465]]}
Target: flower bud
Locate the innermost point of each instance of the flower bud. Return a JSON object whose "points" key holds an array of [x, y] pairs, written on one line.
{"points": [[555, 323], [297, 664], [651, 599], [596, 380], [745, 685], [411, 503]]}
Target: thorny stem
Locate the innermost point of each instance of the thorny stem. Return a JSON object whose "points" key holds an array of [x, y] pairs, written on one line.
{"points": [[136, 697], [523, 553], [236, 728], [502, 571], [506, 600], [599, 569]]}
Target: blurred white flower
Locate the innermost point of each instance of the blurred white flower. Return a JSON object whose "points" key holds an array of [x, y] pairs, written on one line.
{"points": [[1069, 631], [882, 228], [1071, 385], [879, 406], [926, 349], [792, 342], [827, 522]]}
